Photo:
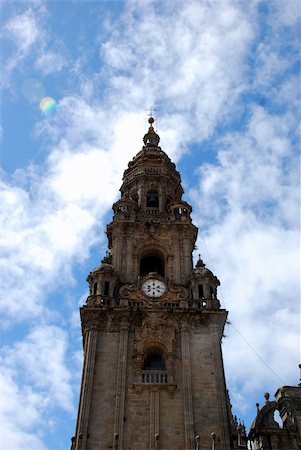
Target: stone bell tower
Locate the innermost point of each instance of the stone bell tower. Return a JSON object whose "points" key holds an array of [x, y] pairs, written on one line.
{"points": [[153, 373]]}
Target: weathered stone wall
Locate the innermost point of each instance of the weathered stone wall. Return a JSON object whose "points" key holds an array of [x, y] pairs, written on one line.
{"points": [[101, 417]]}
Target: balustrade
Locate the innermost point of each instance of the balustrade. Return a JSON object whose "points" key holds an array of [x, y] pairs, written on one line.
{"points": [[98, 300], [154, 376]]}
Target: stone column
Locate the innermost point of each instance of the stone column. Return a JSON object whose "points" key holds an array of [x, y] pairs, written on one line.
{"points": [[86, 390], [220, 388], [117, 246], [121, 384], [187, 391], [154, 418], [187, 258]]}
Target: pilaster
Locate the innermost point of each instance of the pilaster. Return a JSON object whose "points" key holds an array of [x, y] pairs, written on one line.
{"points": [[86, 389], [220, 387], [121, 385], [154, 418], [187, 391]]}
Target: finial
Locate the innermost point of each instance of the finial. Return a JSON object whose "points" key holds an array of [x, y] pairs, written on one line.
{"points": [[267, 396], [200, 263], [151, 139], [108, 258], [257, 407]]}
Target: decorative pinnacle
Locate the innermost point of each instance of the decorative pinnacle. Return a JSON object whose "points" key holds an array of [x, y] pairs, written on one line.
{"points": [[267, 396], [151, 139], [200, 263]]}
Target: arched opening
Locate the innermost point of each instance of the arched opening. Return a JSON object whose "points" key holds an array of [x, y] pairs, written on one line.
{"points": [[154, 361], [106, 288], [277, 418], [151, 263], [152, 199], [95, 289], [201, 291]]}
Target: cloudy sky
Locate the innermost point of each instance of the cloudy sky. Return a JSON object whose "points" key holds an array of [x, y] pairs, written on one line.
{"points": [[223, 78]]}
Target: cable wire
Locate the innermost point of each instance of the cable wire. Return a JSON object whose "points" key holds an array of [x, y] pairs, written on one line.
{"points": [[236, 329]]}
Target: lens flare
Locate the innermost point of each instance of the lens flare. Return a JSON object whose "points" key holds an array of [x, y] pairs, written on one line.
{"points": [[48, 105], [33, 90]]}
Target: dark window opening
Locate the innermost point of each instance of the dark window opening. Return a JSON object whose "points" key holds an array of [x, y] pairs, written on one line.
{"points": [[95, 289], [152, 199], [154, 361], [201, 290], [151, 264], [106, 288]]}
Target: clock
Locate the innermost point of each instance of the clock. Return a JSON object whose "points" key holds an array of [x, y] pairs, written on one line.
{"points": [[153, 288]]}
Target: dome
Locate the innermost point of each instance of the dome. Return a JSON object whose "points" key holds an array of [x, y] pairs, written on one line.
{"points": [[105, 265], [202, 271]]}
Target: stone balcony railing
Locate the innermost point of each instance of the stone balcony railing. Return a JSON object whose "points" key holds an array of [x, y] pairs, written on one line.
{"points": [[99, 300], [205, 303], [154, 377], [201, 304]]}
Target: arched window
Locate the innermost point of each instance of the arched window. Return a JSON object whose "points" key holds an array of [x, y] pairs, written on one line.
{"points": [[95, 289], [152, 199], [154, 361], [151, 263], [106, 288], [201, 291]]}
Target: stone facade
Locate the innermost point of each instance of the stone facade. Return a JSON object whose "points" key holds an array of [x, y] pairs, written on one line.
{"points": [[152, 326]]}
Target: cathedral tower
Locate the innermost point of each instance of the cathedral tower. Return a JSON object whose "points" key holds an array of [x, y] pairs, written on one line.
{"points": [[153, 373]]}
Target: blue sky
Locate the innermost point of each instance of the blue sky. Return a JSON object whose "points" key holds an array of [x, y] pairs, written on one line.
{"points": [[223, 76]]}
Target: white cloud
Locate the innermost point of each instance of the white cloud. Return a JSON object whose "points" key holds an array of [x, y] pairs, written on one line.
{"points": [[34, 380], [247, 208], [23, 30], [286, 12], [25, 39], [48, 62], [270, 64], [41, 360], [190, 60], [39, 239]]}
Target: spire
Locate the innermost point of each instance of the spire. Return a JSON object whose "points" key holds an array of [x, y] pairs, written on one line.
{"points": [[151, 139]]}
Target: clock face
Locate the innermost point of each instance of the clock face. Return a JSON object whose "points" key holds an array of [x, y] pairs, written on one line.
{"points": [[153, 288]]}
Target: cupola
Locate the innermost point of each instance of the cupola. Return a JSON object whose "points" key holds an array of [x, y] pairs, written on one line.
{"points": [[103, 281], [204, 286]]}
